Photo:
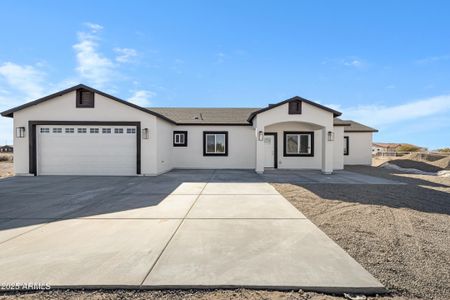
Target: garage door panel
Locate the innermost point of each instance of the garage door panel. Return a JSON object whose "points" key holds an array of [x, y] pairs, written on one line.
{"points": [[86, 153]]}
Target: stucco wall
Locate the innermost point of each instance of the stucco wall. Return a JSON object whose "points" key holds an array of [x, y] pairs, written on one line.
{"points": [[320, 119], [241, 149], [360, 148], [63, 108], [338, 148], [163, 133], [297, 162]]}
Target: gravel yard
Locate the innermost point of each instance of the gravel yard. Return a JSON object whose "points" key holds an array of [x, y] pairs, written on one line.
{"points": [[399, 233], [6, 165]]}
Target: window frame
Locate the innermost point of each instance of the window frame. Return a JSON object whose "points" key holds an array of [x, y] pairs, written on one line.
{"points": [[181, 133], [205, 134], [311, 146], [346, 145], [79, 101], [118, 131], [295, 110]]}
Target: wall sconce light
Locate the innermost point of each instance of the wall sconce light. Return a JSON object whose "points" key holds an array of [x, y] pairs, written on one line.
{"points": [[330, 136], [260, 135], [145, 134], [20, 132]]}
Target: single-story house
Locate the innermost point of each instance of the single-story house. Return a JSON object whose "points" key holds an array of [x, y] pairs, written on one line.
{"points": [[6, 149], [385, 148], [83, 131]]}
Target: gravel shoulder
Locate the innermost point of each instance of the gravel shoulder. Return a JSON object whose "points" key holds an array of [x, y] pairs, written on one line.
{"points": [[399, 233], [6, 169]]}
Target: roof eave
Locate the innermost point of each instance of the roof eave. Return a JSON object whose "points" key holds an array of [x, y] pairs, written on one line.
{"points": [[296, 98], [10, 113]]}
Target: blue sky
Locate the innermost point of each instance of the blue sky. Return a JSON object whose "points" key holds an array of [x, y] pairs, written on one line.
{"points": [[382, 63]]}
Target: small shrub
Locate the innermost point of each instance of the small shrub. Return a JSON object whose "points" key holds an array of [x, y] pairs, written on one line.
{"points": [[5, 158]]}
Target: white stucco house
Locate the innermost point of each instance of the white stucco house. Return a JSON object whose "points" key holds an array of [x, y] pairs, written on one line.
{"points": [[83, 131]]}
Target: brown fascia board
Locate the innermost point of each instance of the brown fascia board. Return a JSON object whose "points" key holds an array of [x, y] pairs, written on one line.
{"points": [[10, 113], [296, 98]]}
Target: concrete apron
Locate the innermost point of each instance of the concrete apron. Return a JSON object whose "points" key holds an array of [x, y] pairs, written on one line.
{"points": [[203, 235]]}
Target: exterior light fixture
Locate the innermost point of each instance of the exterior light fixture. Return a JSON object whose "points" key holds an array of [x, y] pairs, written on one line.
{"points": [[260, 135], [330, 136], [20, 132], [145, 134]]}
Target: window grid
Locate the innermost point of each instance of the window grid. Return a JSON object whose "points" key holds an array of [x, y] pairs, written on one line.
{"points": [[131, 130], [57, 130], [94, 130], [45, 130], [118, 130], [82, 130], [69, 130], [106, 130]]}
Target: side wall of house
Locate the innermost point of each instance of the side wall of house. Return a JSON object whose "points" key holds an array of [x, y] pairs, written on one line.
{"points": [[241, 148], [360, 148], [338, 148], [63, 108], [163, 136]]}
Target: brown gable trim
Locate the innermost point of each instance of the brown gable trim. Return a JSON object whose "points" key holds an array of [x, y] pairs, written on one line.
{"points": [[296, 98], [342, 124], [10, 113]]}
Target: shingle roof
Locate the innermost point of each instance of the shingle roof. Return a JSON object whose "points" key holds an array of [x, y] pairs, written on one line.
{"points": [[205, 115], [356, 127], [202, 115]]}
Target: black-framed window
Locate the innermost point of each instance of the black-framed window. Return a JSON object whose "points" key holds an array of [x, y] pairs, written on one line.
{"points": [[215, 143], [346, 145], [295, 108], [298, 143], [180, 138], [85, 98]]}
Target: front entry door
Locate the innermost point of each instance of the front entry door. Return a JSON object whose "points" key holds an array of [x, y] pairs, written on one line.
{"points": [[269, 151]]}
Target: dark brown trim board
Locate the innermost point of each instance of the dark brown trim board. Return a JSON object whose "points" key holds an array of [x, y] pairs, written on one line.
{"points": [[32, 138], [296, 98], [347, 143], [275, 140], [226, 143], [310, 133], [185, 138]]}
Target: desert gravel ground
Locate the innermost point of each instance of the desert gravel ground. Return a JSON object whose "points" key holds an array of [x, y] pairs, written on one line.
{"points": [[183, 294], [6, 167], [399, 233]]}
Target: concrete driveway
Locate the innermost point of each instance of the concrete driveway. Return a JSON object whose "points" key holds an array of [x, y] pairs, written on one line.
{"points": [[202, 228]]}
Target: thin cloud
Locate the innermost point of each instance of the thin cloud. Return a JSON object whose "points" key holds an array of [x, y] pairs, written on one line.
{"points": [[141, 97], [379, 115], [92, 65], [433, 59], [350, 61], [26, 79], [125, 55]]}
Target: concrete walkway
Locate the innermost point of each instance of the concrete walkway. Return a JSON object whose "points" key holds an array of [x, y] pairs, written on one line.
{"points": [[172, 233]]}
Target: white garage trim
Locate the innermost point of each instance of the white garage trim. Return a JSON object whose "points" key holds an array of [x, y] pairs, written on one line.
{"points": [[33, 158]]}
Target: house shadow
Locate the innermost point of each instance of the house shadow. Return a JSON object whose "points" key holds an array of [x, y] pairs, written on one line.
{"points": [[29, 201], [416, 193]]}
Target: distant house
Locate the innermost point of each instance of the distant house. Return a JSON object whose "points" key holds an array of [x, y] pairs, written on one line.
{"points": [[6, 148], [391, 149]]}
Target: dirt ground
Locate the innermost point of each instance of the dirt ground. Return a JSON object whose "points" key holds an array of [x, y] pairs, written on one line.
{"points": [[6, 167], [183, 294], [399, 233]]}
